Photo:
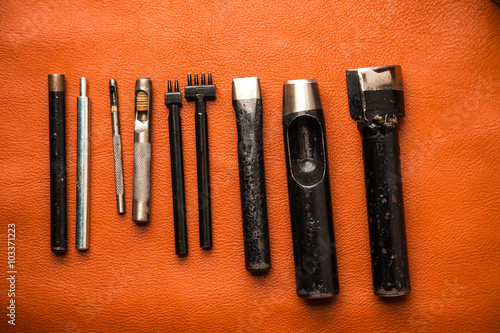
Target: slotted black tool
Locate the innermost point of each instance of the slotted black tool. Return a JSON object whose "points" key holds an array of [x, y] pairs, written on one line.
{"points": [[199, 94]]}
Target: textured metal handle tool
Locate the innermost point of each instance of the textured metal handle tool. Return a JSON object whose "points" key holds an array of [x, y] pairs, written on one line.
{"points": [[142, 180], [376, 102], [199, 94], [57, 117], [173, 100], [82, 164], [247, 104], [117, 147], [142, 150], [314, 250]]}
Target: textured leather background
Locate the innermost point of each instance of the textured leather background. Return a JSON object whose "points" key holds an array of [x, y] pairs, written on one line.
{"points": [[130, 279]]}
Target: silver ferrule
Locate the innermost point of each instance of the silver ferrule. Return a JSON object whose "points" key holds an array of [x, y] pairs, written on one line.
{"points": [[300, 95], [380, 78], [246, 88], [82, 176], [142, 150], [117, 147]]}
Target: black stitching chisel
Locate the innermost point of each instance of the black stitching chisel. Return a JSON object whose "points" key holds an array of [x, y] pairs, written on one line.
{"points": [[173, 100], [199, 94]]}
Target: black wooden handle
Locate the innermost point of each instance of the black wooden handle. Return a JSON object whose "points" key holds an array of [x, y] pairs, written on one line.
{"points": [[384, 196]]}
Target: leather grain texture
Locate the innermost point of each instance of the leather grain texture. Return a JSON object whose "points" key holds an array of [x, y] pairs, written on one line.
{"points": [[131, 279]]}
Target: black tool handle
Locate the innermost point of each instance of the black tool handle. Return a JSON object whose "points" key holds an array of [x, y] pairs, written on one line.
{"points": [[177, 167], [205, 214], [310, 205], [58, 211], [384, 195], [252, 184]]}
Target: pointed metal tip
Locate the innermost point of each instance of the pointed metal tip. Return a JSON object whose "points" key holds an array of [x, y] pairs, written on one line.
{"points": [[176, 86], [190, 82], [209, 78], [83, 87], [169, 86], [203, 78], [195, 79]]}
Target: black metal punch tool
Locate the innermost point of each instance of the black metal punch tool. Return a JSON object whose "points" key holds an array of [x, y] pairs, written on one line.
{"points": [[199, 94], [247, 104], [57, 126], [376, 102]]}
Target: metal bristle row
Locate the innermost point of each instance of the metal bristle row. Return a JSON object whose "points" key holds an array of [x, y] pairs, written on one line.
{"points": [[190, 81], [176, 86]]}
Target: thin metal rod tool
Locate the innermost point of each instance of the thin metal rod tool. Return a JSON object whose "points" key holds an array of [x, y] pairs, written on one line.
{"points": [[57, 118], [117, 147], [199, 94], [82, 164], [173, 100], [142, 150]]}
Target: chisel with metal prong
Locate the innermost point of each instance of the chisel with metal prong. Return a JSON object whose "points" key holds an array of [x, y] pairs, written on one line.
{"points": [[173, 100], [199, 94]]}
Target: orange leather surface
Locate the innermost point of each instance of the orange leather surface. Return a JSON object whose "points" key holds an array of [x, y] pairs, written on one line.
{"points": [[131, 279]]}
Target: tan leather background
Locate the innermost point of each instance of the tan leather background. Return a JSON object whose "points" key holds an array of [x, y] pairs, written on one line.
{"points": [[131, 280]]}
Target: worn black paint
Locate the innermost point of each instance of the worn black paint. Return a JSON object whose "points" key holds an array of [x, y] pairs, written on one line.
{"points": [[378, 122], [58, 213], [310, 204], [384, 197], [252, 184], [204, 200]]}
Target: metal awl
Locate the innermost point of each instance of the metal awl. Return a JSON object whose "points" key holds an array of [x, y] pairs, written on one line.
{"points": [[117, 147]]}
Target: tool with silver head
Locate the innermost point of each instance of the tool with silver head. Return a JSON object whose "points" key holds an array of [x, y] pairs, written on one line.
{"points": [[247, 104], [142, 150], [309, 196], [376, 102]]}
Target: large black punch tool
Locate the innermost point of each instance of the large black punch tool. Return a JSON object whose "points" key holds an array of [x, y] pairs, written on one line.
{"points": [[309, 196], [376, 102]]}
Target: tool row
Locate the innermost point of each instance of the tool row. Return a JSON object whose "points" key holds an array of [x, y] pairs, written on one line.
{"points": [[376, 102]]}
